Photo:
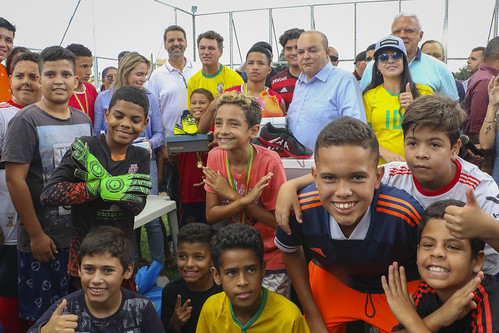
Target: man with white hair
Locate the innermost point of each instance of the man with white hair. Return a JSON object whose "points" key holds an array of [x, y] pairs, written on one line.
{"points": [[424, 69]]}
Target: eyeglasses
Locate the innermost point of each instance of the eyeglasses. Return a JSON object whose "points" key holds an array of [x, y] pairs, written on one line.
{"points": [[395, 56], [333, 58], [369, 59]]}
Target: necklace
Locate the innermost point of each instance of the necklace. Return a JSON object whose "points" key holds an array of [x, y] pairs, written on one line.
{"points": [[86, 100], [248, 174], [199, 163]]}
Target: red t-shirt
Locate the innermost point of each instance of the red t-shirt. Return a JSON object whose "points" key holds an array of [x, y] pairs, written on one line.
{"points": [[85, 100], [190, 174], [284, 84], [265, 161]]}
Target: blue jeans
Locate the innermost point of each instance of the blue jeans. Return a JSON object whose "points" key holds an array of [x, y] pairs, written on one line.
{"points": [[153, 228]]}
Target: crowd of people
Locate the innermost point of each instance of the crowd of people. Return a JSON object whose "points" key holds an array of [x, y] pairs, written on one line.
{"points": [[396, 226]]}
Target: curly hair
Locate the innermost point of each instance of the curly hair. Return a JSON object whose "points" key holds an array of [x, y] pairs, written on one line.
{"points": [[251, 108]]}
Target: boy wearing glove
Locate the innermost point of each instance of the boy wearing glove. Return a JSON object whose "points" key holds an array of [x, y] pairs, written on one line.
{"points": [[104, 178]]}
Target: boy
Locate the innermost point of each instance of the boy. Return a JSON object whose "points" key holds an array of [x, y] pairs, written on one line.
{"points": [[184, 297], [104, 260], [454, 295], [48, 127], [26, 90], [244, 305], [353, 228], [85, 93], [7, 33], [242, 180], [433, 171], [104, 178]]}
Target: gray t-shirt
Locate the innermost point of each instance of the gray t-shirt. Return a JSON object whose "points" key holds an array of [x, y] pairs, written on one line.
{"points": [[39, 139]]}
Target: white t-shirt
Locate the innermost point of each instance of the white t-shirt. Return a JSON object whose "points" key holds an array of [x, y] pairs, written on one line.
{"points": [[397, 174]]}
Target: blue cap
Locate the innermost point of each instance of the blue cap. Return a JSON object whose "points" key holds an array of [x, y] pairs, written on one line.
{"points": [[388, 42]]}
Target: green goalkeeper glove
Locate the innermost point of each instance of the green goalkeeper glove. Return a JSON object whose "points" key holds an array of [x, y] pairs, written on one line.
{"points": [[89, 167], [125, 188]]}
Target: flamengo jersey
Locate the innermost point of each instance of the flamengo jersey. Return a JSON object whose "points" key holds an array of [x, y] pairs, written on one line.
{"points": [[359, 264], [399, 175], [284, 84]]}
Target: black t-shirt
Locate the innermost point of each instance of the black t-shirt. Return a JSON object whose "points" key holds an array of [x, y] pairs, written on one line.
{"points": [[136, 314], [169, 299]]}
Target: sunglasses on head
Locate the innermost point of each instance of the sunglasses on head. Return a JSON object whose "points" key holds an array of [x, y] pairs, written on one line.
{"points": [[395, 56]]}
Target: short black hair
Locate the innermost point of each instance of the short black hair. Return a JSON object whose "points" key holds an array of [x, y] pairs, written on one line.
{"points": [[265, 45], [236, 236], [105, 238], [478, 48], [210, 34], [203, 91], [492, 50], [196, 233], [16, 50], [7, 25], [290, 34], [436, 112], [133, 95], [437, 211], [79, 50], [121, 55], [251, 108], [107, 69], [174, 27], [347, 131], [27, 56], [260, 49], [56, 53], [371, 47]]}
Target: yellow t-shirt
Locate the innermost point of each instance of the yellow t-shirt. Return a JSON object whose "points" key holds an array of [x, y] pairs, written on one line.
{"points": [[276, 314], [384, 115], [225, 78]]}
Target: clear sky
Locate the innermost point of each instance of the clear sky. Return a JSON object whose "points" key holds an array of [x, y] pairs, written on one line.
{"points": [[137, 25]]}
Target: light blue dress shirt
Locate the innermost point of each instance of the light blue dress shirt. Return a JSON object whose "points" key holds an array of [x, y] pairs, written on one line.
{"points": [[424, 70], [329, 95]]}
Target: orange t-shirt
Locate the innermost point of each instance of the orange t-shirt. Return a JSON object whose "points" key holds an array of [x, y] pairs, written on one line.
{"points": [[5, 90]]}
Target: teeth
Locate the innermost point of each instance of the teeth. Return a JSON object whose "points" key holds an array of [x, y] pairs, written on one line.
{"points": [[98, 289], [344, 205], [437, 269]]}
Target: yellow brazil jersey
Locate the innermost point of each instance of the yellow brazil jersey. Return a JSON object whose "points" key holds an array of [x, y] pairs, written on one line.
{"points": [[216, 84], [384, 115]]}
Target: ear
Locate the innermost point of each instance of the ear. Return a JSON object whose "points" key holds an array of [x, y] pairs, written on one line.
{"points": [[128, 272], [216, 276], [145, 124], [417, 254], [79, 271], [455, 149], [380, 171], [106, 115], [253, 131], [478, 262], [328, 52]]}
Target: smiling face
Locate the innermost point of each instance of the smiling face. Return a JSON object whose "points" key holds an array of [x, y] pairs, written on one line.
{"points": [[430, 155], [101, 276], [241, 274], [231, 128], [291, 52], [138, 75], [393, 66], [445, 262], [125, 121], [25, 83], [194, 265], [199, 105], [257, 66], [312, 56], [346, 177], [83, 68], [209, 53], [175, 44], [58, 81], [6, 43]]}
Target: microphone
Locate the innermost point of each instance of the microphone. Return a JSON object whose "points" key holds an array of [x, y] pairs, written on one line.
{"points": [[470, 146]]}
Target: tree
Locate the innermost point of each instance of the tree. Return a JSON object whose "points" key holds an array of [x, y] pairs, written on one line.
{"points": [[462, 74]]}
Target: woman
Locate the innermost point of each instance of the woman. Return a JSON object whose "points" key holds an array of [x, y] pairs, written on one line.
{"points": [[108, 77], [391, 91], [132, 71]]}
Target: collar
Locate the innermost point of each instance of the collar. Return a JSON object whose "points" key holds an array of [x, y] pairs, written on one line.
{"points": [[492, 70], [14, 104], [446, 188], [321, 76], [418, 55], [244, 328], [360, 231], [214, 75], [170, 68]]}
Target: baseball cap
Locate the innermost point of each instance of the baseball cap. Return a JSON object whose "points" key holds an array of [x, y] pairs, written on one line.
{"points": [[392, 42]]}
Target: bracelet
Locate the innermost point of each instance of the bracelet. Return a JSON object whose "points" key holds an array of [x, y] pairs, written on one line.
{"points": [[490, 122]]}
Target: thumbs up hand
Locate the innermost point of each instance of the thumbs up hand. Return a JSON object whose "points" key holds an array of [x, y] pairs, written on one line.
{"points": [[60, 323], [405, 98], [468, 221]]}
